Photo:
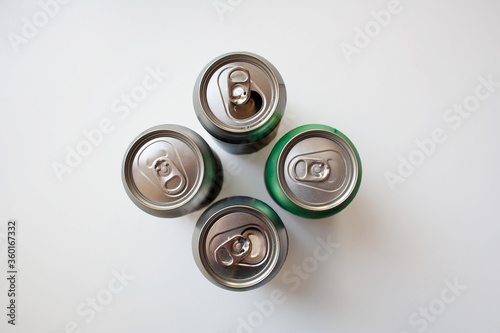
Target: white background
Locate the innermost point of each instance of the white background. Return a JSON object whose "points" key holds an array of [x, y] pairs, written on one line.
{"points": [[397, 247]]}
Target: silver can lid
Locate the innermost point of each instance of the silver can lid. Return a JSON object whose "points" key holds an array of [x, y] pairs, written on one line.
{"points": [[318, 170], [163, 170], [239, 92], [240, 243]]}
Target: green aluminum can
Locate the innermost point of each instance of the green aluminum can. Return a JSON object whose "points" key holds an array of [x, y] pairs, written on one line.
{"points": [[240, 98], [313, 171], [239, 243]]}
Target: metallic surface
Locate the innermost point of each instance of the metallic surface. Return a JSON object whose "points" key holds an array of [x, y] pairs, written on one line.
{"points": [[169, 171], [240, 99], [239, 243]]}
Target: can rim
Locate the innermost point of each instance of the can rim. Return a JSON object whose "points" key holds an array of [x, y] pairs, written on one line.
{"points": [[273, 177]]}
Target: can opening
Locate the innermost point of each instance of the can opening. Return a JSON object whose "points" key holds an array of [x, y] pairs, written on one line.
{"points": [[249, 109]]}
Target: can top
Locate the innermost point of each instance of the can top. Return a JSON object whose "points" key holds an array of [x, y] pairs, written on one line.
{"points": [[242, 243], [163, 168], [239, 92], [318, 170]]}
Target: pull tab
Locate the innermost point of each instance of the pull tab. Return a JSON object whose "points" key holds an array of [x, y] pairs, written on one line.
{"points": [[232, 251], [167, 174], [238, 85], [310, 169]]}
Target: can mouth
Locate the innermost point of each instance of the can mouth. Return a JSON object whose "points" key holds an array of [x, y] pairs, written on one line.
{"points": [[249, 109]]}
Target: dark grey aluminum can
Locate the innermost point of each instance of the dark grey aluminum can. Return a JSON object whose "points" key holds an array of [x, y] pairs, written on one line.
{"points": [[240, 98], [170, 171], [240, 243]]}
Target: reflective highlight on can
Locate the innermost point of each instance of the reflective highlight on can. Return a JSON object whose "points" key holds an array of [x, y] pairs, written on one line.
{"points": [[240, 98], [240, 243], [313, 171], [170, 171]]}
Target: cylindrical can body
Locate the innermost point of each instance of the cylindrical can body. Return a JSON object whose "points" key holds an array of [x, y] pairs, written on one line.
{"points": [[170, 171], [313, 171], [240, 98], [239, 243]]}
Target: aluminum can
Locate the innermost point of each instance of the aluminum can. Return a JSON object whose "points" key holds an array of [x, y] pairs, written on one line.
{"points": [[170, 171], [240, 243], [313, 171], [240, 98]]}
